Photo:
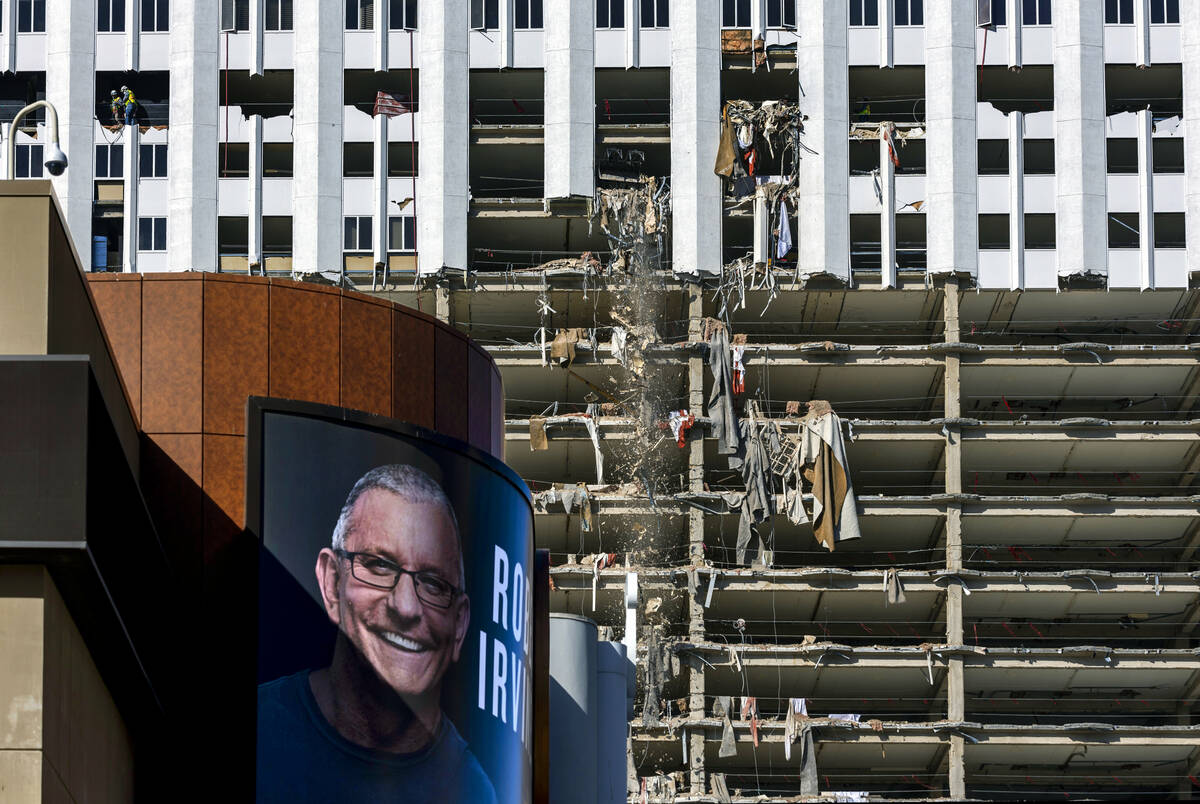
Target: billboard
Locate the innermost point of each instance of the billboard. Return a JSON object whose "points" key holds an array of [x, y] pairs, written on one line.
{"points": [[394, 621]]}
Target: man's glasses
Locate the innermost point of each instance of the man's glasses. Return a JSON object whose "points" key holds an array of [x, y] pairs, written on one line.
{"points": [[380, 573]]}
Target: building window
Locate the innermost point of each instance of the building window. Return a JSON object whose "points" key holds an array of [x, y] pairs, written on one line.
{"points": [[485, 15], [1035, 12], [156, 16], [528, 15], [999, 12], [1118, 12], [610, 13], [782, 13], [152, 161], [402, 233], [402, 15], [235, 15], [277, 160], [31, 16], [358, 233], [279, 15], [910, 12], [864, 12], [29, 161], [735, 14], [152, 234], [110, 161], [360, 15], [110, 16], [1164, 12], [656, 14]]}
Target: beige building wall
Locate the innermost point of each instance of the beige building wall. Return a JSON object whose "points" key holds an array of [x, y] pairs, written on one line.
{"points": [[61, 736]]}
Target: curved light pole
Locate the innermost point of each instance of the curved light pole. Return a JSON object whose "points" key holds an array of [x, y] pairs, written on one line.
{"points": [[56, 160]]}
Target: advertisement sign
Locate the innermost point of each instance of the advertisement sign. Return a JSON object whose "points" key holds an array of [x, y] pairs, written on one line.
{"points": [[394, 623]]}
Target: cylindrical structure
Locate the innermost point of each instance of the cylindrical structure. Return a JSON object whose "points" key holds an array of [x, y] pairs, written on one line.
{"points": [[612, 670], [573, 709]]}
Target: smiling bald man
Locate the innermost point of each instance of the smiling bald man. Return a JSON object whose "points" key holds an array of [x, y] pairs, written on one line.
{"points": [[370, 727]]}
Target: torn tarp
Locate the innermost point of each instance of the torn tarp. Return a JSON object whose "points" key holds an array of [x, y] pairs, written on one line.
{"points": [[760, 440], [563, 347], [537, 434], [720, 401], [728, 740], [822, 456], [893, 588]]}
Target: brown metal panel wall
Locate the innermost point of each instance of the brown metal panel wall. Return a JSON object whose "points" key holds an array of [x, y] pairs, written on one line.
{"points": [[451, 367], [497, 402], [120, 296], [235, 350], [413, 368], [172, 354], [305, 343], [479, 398], [366, 350]]}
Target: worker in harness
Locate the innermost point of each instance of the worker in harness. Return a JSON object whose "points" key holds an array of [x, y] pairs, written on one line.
{"points": [[130, 103]]}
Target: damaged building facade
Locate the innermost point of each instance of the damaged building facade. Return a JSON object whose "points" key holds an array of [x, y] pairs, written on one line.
{"points": [[849, 347]]}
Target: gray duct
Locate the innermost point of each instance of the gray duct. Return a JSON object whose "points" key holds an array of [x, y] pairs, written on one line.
{"points": [[612, 671], [573, 710]]}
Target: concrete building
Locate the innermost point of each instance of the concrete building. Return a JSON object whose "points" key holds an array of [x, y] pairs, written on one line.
{"points": [[999, 296]]}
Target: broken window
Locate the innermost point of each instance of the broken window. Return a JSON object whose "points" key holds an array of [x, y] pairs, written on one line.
{"points": [[1164, 12], [735, 14], [152, 161], [1118, 12], [278, 15], [156, 16], [402, 233], [782, 13], [360, 15], [656, 14], [528, 14], [110, 161], [1035, 12], [402, 15], [485, 15], [610, 13], [864, 13], [358, 233], [909, 12], [31, 16], [110, 16], [29, 160], [152, 234]]}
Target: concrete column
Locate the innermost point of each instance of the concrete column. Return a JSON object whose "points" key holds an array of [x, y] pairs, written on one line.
{"points": [[254, 205], [951, 176], [887, 33], [133, 34], [442, 190], [955, 688], [8, 39], [1016, 200], [1012, 13], [887, 217], [696, 684], [695, 129], [758, 18], [192, 153], [633, 33], [1141, 27], [823, 230], [317, 133], [505, 33], [1189, 30], [570, 91], [257, 13], [130, 169], [1080, 209], [382, 24], [1145, 143], [70, 79], [380, 246]]}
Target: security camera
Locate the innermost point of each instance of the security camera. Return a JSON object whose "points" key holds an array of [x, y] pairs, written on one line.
{"points": [[56, 160]]}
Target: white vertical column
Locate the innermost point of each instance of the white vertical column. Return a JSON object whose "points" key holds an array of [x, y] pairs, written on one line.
{"points": [[762, 227], [823, 230], [70, 77], [380, 246], [952, 221], [887, 33], [130, 169], [887, 217], [1081, 226], [254, 200], [382, 26], [1012, 16], [633, 33], [1016, 200], [1145, 145], [133, 34], [696, 214], [192, 153], [1189, 17], [1141, 28], [442, 188], [8, 39], [317, 133], [5, 132], [570, 91], [257, 14], [505, 33], [758, 19]]}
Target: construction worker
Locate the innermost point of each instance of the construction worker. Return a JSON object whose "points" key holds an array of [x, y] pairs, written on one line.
{"points": [[115, 106], [130, 104]]}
